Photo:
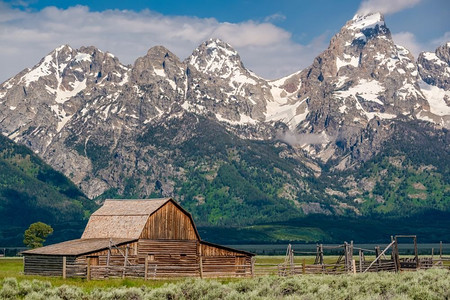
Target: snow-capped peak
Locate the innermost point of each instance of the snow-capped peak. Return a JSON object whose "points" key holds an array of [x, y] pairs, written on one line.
{"points": [[215, 56], [361, 22], [365, 27]]}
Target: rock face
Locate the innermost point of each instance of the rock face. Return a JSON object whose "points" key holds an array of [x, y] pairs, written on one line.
{"points": [[434, 68], [145, 129]]}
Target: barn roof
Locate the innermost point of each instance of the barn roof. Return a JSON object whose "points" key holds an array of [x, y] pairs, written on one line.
{"points": [[121, 218], [123, 207], [77, 247], [227, 248]]}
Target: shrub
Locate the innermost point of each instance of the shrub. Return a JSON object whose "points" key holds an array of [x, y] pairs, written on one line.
{"points": [[9, 289]]}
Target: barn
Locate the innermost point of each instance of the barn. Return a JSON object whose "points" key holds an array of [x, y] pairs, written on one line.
{"points": [[149, 238]]}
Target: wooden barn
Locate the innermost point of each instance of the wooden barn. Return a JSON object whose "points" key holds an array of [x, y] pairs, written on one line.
{"points": [[151, 238]]}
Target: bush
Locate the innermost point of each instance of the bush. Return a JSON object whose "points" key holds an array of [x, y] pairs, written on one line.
{"points": [[430, 284]]}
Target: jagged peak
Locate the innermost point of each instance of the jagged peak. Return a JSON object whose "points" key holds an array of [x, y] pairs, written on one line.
{"points": [[363, 21], [213, 55], [63, 48], [363, 27], [161, 52], [215, 43]]}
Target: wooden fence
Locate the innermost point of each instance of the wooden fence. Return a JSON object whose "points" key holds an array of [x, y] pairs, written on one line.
{"points": [[387, 260], [155, 271]]}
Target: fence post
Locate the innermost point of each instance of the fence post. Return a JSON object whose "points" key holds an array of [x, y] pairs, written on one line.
{"points": [[200, 260], [125, 261], [146, 268], [88, 271], [395, 254], [360, 260], [416, 253], [253, 266], [440, 250], [304, 266], [64, 267], [321, 254], [354, 266], [291, 260]]}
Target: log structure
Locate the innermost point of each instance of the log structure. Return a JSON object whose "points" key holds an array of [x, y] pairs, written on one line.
{"points": [[150, 238]]}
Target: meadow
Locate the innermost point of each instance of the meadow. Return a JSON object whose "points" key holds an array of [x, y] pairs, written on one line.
{"points": [[430, 284]]}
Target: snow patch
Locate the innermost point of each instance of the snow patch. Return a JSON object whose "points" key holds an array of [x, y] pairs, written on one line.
{"points": [[348, 60], [369, 90], [61, 115], [82, 57], [172, 84], [433, 57], [361, 22], [160, 72], [62, 95], [44, 69], [436, 98]]}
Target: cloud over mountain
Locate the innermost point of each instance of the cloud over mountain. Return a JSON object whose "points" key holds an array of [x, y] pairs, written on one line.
{"points": [[386, 6], [27, 35]]}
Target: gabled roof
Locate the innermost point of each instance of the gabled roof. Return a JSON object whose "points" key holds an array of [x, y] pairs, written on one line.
{"points": [[135, 207], [121, 218], [77, 247]]}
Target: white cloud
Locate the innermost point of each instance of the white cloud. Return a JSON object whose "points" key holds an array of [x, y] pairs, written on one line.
{"points": [[27, 36], [385, 6], [275, 17], [409, 41], [445, 38]]}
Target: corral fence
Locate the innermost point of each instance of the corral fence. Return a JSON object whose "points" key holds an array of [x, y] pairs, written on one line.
{"points": [[357, 260], [351, 259], [155, 271]]}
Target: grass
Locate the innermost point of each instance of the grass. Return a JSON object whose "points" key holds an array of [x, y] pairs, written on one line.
{"points": [[13, 267], [430, 284]]}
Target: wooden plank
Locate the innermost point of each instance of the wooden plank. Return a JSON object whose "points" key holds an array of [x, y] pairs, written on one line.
{"points": [[88, 273], [64, 270], [200, 259], [146, 268]]}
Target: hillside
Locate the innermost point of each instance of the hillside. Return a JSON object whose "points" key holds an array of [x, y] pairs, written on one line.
{"points": [[31, 191]]}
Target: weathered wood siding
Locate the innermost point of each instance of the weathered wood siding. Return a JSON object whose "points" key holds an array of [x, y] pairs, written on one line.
{"points": [[170, 258], [220, 262], [45, 265], [169, 222]]}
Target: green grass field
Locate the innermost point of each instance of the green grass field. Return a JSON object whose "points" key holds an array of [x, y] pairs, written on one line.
{"points": [[430, 284]]}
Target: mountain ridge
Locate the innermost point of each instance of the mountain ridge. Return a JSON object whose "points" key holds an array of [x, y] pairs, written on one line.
{"points": [[186, 128]]}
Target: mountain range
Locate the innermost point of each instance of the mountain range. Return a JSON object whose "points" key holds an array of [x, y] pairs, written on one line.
{"points": [[362, 132]]}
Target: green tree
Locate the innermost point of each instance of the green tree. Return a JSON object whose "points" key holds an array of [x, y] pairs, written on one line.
{"points": [[35, 235]]}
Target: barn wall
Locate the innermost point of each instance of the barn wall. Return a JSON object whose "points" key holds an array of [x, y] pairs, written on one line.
{"points": [[219, 262], [170, 258], [169, 222], [116, 256], [45, 265]]}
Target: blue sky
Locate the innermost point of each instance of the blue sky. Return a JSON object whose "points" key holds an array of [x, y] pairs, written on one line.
{"points": [[274, 38]]}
